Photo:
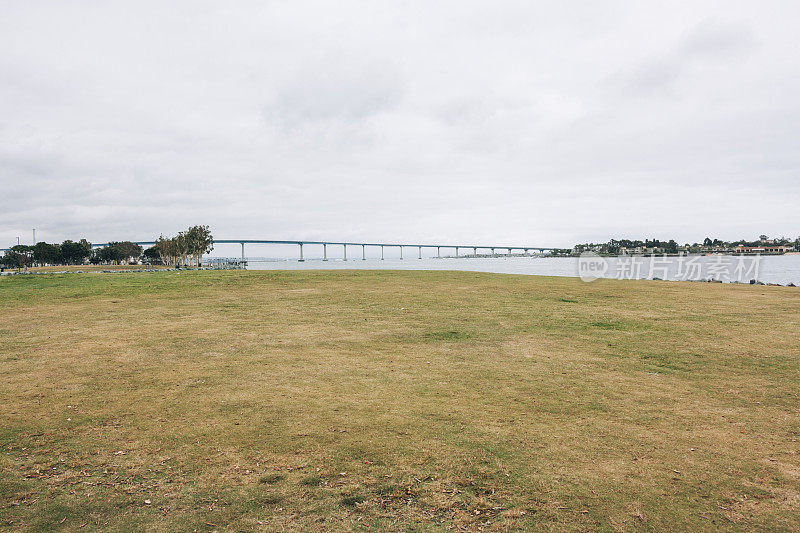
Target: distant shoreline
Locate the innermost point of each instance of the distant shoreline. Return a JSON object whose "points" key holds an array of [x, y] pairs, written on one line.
{"points": [[700, 254]]}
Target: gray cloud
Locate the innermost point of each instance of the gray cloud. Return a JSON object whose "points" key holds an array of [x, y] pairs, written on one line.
{"points": [[335, 90], [417, 120], [711, 44]]}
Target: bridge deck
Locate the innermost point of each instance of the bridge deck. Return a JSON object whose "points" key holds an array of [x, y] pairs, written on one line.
{"points": [[347, 243]]}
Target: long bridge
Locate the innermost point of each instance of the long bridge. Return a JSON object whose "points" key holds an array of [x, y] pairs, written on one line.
{"points": [[364, 245]]}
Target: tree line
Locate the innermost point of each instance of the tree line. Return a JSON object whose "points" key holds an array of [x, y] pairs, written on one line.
{"points": [[615, 246], [186, 248]]}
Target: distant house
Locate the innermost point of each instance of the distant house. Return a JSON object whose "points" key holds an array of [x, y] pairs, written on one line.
{"points": [[764, 249], [640, 250], [630, 251]]}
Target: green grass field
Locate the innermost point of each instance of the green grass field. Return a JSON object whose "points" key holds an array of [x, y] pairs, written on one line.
{"points": [[396, 401]]}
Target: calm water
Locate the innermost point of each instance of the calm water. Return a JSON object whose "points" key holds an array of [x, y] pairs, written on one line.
{"points": [[772, 269]]}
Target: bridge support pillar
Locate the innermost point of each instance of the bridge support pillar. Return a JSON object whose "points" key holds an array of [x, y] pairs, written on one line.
{"points": [[344, 247], [242, 251], [324, 252], [474, 251], [401, 252], [439, 252], [493, 254], [301, 253], [509, 252], [381, 253], [456, 251], [420, 252], [363, 253]]}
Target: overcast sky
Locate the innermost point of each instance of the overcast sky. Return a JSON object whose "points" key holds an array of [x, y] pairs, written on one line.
{"points": [[541, 123]]}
